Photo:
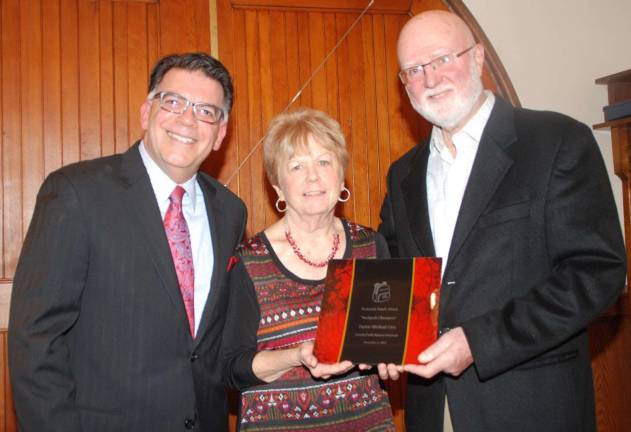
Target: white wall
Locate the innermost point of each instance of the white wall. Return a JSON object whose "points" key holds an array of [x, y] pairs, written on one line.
{"points": [[554, 49]]}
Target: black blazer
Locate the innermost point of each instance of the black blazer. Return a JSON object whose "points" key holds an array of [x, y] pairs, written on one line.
{"points": [[98, 334], [536, 255]]}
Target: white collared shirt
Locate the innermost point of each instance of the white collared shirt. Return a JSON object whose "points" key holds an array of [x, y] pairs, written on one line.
{"points": [[447, 176], [194, 209]]}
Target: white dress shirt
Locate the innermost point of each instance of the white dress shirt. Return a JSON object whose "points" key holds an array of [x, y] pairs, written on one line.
{"points": [[194, 209], [447, 176]]}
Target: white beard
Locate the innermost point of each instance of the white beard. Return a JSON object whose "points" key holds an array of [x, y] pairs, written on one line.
{"points": [[448, 114]]}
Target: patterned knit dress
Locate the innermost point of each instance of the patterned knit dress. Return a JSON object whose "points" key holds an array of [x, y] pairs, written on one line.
{"points": [[289, 308]]}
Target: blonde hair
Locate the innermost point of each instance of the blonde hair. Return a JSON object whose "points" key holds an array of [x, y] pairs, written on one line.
{"points": [[291, 131]]}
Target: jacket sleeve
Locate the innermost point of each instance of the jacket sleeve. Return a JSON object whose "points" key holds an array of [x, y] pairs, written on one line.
{"points": [[45, 305], [382, 247], [587, 264], [239, 337], [386, 227]]}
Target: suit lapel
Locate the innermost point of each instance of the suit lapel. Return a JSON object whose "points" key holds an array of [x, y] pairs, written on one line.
{"points": [[219, 237], [139, 199], [414, 189], [489, 168]]}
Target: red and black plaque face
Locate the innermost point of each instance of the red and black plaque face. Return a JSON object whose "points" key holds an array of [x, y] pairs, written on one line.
{"points": [[378, 311]]}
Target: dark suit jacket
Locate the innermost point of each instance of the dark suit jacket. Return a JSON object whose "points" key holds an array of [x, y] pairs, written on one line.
{"points": [[536, 255], [98, 334]]}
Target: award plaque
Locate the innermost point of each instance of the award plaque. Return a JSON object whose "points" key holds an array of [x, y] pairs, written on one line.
{"points": [[378, 311]]}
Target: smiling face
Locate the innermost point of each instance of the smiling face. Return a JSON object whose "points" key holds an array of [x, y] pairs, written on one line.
{"points": [[178, 143], [450, 95], [310, 181]]}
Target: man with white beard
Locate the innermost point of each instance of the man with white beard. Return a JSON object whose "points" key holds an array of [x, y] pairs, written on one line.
{"points": [[518, 205]]}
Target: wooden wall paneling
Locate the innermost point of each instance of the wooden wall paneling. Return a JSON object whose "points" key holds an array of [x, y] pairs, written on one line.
{"points": [[154, 37], [70, 129], [305, 68], [293, 56], [223, 164], [122, 115], [137, 70], [331, 66], [185, 26], [200, 24], [32, 149], [381, 103], [106, 71], [2, 142], [358, 138], [266, 34], [295, 65], [317, 53], [372, 136], [11, 136], [256, 219], [278, 61], [89, 81], [610, 343], [51, 82], [237, 141]]}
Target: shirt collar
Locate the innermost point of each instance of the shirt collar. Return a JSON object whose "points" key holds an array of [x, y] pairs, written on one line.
{"points": [[473, 129], [162, 184]]}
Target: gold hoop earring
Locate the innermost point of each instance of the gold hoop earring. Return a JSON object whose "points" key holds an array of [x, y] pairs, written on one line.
{"points": [[277, 205], [348, 196]]}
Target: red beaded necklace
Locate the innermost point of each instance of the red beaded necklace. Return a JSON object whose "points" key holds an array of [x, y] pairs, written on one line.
{"points": [[294, 246]]}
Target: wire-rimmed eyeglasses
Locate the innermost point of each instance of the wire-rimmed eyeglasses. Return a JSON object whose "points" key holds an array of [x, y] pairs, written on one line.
{"points": [[417, 72], [178, 104]]}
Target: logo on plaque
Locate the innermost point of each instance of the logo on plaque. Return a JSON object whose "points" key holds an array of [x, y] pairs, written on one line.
{"points": [[381, 292]]}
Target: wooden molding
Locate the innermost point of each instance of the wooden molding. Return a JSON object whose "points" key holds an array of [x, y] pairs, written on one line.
{"points": [[5, 301], [130, 1], [379, 6], [214, 32]]}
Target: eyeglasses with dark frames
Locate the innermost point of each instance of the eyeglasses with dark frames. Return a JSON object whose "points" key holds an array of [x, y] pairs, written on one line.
{"points": [[417, 72], [178, 104]]}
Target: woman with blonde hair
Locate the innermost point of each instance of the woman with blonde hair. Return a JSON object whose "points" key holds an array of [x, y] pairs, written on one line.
{"points": [[277, 285]]}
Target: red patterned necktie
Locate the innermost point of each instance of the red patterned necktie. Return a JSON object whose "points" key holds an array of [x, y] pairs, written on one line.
{"points": [[180, 245]]}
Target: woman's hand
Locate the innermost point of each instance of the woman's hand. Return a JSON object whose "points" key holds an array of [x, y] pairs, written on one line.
{"points": [[317, 369]]}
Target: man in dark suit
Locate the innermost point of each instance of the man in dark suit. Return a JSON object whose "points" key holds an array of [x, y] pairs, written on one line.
{"points": [[518, 205], [105, 332]]}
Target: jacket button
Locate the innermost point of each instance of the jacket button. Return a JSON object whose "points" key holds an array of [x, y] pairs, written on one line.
{"points": [[443, 330], [194, 356], [189, 423]]}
